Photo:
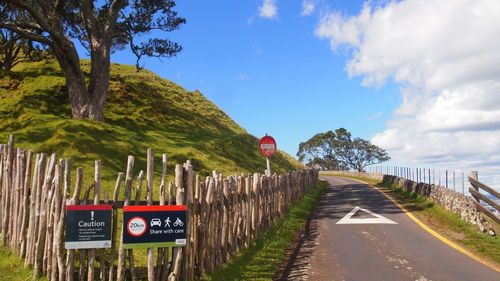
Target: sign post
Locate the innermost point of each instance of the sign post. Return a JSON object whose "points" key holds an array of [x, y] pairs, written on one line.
{"points": [[267, 146], [88, 226], [154, 226]]}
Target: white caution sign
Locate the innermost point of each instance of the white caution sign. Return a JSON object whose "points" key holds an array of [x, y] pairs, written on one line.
{"points": [[375, 219]]}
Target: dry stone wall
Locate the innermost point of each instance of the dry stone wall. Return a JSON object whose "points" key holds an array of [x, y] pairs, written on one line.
{"points": [[447, 198]]}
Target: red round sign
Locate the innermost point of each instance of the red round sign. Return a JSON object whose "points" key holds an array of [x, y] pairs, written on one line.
{"points": [[137, 226], [267, 146]]}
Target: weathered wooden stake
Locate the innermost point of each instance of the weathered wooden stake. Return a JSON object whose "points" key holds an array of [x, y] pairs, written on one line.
{"points": [[70, 260], [97, 191], [120, 275], [174, 275], [149, 180], [112, 255]]}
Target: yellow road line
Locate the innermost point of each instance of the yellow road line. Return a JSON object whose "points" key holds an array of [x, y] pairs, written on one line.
{"points": [[435, 234]]}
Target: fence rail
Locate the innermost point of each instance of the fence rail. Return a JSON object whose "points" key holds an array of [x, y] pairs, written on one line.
{"points": [[224, 214], [474, 190]]}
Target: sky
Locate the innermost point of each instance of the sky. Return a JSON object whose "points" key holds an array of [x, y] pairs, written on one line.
{"points": [[419, 78]]}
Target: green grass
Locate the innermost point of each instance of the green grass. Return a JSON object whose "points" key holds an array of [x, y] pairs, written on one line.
{"points": [[11, 268], [262, 259], [142, 111], [444, 221]]}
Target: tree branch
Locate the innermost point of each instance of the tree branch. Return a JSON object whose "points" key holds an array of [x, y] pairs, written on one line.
{"points": [[27, 34]]}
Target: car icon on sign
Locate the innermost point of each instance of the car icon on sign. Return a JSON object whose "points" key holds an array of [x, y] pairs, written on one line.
{"points": [[155, 221]]}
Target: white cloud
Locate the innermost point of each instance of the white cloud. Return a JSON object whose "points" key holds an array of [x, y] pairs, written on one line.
{"points": [[445, 54], [269, 9], [308, 7], [374, 116]]}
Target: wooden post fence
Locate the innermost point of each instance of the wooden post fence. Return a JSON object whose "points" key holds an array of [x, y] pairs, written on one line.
{"points": [[224, 214]]}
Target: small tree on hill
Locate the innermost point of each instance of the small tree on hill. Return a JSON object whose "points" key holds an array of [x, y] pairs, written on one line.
{"points": [[338, 151], [14, 48], [101, 27]]}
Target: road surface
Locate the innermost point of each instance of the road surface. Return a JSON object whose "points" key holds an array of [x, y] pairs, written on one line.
{"points": [[358, 234]]}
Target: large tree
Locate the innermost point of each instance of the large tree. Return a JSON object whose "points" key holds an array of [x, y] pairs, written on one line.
{"points": [[338, 151], [101, 26]]}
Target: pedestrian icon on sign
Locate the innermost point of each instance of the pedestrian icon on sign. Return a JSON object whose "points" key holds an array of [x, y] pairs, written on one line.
{"points": [[167, 222]]}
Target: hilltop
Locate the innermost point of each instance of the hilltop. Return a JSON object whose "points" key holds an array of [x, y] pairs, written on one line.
{"points": [[142, 110]]}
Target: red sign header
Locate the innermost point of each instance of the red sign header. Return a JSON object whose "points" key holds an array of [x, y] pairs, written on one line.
{"points": [[88, 207], [267, 146]]}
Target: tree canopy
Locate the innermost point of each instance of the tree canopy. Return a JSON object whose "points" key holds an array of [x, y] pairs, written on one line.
{"points": [[338, 151], [101, 27]]}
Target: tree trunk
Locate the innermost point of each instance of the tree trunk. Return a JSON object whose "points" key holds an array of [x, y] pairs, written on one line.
{"points": [[99, 80], [85, 102], [69, 61]]}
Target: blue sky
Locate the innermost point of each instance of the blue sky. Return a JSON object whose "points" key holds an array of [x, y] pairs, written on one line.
{"points": [[418, 78], [271, 75]]}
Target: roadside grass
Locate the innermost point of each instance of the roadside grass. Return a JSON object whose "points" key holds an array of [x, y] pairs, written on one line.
{"points": [[445, 222], [11, 268], [262, 259]]}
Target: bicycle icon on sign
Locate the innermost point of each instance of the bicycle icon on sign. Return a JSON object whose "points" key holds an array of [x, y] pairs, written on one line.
{"points": [[178, 222]]}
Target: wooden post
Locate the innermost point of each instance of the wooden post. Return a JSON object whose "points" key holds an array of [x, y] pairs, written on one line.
{"points": [[475, 176], [102, 259], [463, 183], [195, 235], [439, 177], [130, 252], [26, 205], [38, 183], [56, 212], [255, 205], [202, 226], [189, 195], [248, 211], [225, 215], [97, 191], [177, 259], [31, 219], [162, 259], [165, 271], [149, 180], [112, 255], [59, 239], [40, 244], [73, 201], [82, 270], [210, 240], [56, 241], [120, 275], [454, 189], [7, 186]]}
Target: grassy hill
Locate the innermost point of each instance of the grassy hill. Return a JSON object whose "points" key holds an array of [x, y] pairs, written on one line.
{"points": [[142, 110]]}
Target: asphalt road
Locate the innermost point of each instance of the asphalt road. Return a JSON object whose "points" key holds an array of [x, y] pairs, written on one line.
{"points": [[378, 242]]}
